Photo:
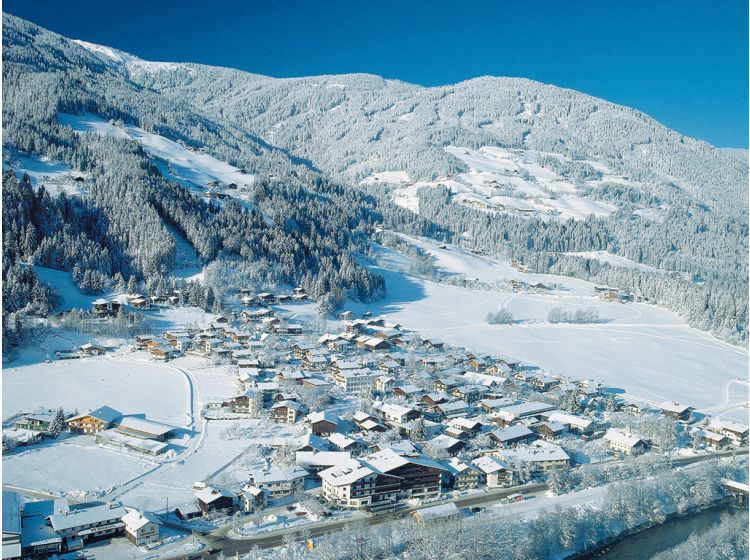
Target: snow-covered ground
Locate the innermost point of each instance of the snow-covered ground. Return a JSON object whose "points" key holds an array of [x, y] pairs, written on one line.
{"points": [[130, 385], [190, 168], [503, 180], [646, 350], [72, 468], [56, 177]]}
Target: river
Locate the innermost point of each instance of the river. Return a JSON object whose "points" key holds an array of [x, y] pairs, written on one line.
{"points": [[648, 542]]}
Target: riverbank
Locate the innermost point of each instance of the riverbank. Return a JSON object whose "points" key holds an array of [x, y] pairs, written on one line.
{"points": [[647, 540]]}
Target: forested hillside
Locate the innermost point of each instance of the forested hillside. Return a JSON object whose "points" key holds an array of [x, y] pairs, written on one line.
{"points": [[679, 204]]}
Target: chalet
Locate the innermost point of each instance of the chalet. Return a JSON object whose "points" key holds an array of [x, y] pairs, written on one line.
{"points": [[339, 345], [677, 411], [315, 362], [395, 415], [142, 340], [384, 383], [89, 349], [446, 385], [140, 303], [163, 352], [496, 404], [359, 417], [625, 443], [376, 344], [266, 297], [575, 424], [389, 366], [342, 442], [323, 423], [40, 421], [736, 432], [346, 316], [469, 425], [181, 344], [434, 343], [315, 384], [714, 439], [549, 431], [293, 376], [512, 436], [287, 412], [407, 392], [250, 402], [462, 476], [493, 472], [105, 307], [311, 442], [432, 400], [252, 499], [93, 422], [635, 408], [540, 456], [447, 445], [469, 393], [544, 383], [141, 528], [280, 482], [212, 500], [453, 409]]}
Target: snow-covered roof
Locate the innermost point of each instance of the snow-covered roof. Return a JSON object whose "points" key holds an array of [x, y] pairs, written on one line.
{"points": [[323, 416], [209, 494], [570, 419], [103, 413], [437, 512], [453, 406], [529, 408], [621, 438], [12, 502], [135, 520], [285, 474], [674, 407], [145, 426], [511, 433], [536, 453], [322, 458], [488, 464], [346, 473], [444, 442], [86, 516], [718, 423]]}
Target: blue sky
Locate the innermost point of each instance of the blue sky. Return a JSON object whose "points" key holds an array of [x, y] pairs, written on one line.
{"points": [[683, 62]]}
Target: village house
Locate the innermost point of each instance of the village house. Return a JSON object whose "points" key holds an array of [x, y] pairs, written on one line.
{"points": [[540, 456], [322, 423], [493, 472], [141, 528], [384, 383], [90, 349], [623, 442], [395, 415], [575, 424], [281, 481], [453, 409], [446, 445], [510, 414], [39, 422], [287, 412], [714, 439], [677, 411], [355, 380], [211, 500], [342, 442], [549, 431], [407, 392], [252, 499], [93, 422], [462, 476], [736, 432], [512, 436]]}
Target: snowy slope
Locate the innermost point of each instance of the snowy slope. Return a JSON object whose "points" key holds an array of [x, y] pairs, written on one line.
{"points": [[190, 168]]}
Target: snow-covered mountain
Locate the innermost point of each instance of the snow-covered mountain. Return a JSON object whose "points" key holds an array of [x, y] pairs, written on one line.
{"points": [[501, 164]]}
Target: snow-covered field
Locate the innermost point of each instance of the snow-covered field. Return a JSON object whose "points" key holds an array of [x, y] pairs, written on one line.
{"points": [[56, 177], [72, 468], [132, 386], [646, 350]]}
